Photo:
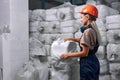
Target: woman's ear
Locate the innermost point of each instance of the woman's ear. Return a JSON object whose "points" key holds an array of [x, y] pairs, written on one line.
{"points": [[87, 16]]}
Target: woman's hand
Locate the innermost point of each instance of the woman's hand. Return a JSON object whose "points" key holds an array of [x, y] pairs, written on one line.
{"points": [[66, 39], [64, 56], [72, 39]]}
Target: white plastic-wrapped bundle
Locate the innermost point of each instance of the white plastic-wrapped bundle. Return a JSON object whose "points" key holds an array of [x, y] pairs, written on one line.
{"points": [[78, 34], [34, 26], [66, 35], [38, 15], [51, 15], [113, 52], [65, 13], [104, 66], [47, 47], [59, 47], [49, 27], [113, 26], [68, 29], [101, 24], [67, 26], [113, 19], [49, 38], [77, 15], [113, 22], [77, 10], [115, 71], [60, 71], [116, 5], [105, 11], [27, 72], [62, 68], [103, 37], [105, 77], [101, 52], [34, 35], [113, 36], [63, 71], [36, 47], [51, 11], [77, 23], [68, 23], [33, 70], [41, 70]]}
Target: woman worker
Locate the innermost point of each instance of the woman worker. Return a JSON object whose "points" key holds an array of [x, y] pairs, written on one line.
{"points": [[89, 43]]}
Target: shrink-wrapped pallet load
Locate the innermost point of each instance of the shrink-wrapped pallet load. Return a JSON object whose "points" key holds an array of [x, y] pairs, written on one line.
{"points": [[36, 48], [33, 70]]}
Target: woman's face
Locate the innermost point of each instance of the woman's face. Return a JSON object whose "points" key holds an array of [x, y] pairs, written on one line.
{"points": [[84, 19]]}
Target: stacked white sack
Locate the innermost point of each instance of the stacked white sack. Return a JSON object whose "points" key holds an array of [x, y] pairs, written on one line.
{"points": [[102, 29], [68, 27], [104, 66], [115, 70], [51, 15], [77, 10], [26, 72], [49, 27], [113, 22], [113, 36], [113, 47], [105, 11], [33, 70], [33, 26], [113, 51], [36, 47], [116, 5], [37, 15], [65, 13], [49, 38]]}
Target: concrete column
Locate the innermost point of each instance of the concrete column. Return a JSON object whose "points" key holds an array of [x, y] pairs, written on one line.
{"points": [[14, 42], [4, 20]]}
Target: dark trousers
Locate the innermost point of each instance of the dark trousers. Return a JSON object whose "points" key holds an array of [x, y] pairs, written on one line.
{"points": [[89, 68]]}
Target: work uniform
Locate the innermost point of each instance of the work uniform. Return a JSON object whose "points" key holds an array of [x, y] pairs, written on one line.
{"points": [[89, 65]]}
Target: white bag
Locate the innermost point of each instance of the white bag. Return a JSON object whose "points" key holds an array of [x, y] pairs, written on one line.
{"points": [[27, 72], [33, 70], [59, 47], [41, 70], [63, 69]]}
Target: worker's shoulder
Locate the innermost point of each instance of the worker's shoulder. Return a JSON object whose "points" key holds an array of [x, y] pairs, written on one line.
{"points": [[89, 30]]}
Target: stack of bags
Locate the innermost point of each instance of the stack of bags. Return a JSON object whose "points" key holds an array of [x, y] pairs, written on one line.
{"points": [[33, 70], [115, 4], [113, 47]]}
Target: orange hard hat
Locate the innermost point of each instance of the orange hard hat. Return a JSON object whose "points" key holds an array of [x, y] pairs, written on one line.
{"points": [[90, 9]]}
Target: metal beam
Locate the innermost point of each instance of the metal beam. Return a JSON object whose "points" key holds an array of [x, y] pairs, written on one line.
{"points": [[43, 4]]}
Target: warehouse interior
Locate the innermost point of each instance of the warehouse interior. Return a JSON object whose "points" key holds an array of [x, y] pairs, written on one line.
{"points": [[28, 24]]}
